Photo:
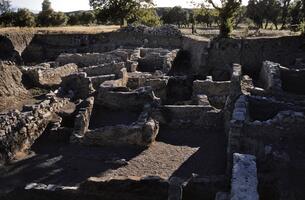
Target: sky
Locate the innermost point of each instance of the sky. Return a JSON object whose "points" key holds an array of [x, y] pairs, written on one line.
{"points": [[72, 5]]}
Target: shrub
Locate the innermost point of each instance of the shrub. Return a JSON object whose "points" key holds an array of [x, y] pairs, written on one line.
{"points": [[58, 19], [8, 19], [24, 18]]}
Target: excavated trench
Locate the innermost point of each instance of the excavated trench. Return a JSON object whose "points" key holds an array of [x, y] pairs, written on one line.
{"points": [[185, 152]]}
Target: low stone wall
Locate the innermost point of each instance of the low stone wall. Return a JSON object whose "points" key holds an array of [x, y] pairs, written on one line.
{"points": [[244, 181], [132, 100], [157, 83], [124, 188], [77, 86], [152, 60], [98, 80], [19, 130], [258, 135], [253, 137], [46, 76], [92, 59], [217, 91], [189, 116], [104, 69], [141, 133], [236, 127], [82, 120]]}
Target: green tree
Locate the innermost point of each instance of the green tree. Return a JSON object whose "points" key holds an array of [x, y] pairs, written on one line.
{"points": [[176, 15], [48, 17], [206, 16], [74, 19], [117, 9], [227, 11], [146, 16], [58, 19], [87, 17], [296, 13], [255, 12], [7, 19], [240, 16], [24, 18], [45, 16], [272, 12], [285, 4]]}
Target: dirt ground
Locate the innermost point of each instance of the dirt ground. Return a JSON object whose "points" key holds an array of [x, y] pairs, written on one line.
{"points": [[177, 153]]}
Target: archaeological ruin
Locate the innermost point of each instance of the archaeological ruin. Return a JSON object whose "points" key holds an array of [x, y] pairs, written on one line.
{"points": [[149, 114]]}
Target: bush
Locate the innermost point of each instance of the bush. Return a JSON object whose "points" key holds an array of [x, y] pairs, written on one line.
{"points": [[7, 19], [73, 19], [24, 18], [58, 19], [51, 18], [146, 16], [87, 18], [44, 18]]}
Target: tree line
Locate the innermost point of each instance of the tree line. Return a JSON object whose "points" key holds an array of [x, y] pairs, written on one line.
{"points": [[283, 14]]}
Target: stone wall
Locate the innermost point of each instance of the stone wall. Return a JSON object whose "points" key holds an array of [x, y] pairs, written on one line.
{"points": [[236, 128], [189, 116], [104, 69], [251, 52], [77, 86], [198, 48], [244, 183], [19, 130], [130, 100], [82, 120], [46, 76], [92, 59], [205, 55], [45, 47], [216, 91], [270, 77], [142, 132], [157, 83], [153, 59], [253, 136]]}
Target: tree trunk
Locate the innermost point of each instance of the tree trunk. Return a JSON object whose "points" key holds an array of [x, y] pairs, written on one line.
{"points": [[266, 25]]}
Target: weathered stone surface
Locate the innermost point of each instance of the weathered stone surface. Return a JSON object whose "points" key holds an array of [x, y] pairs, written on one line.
{"points": [[165, 30], [77, 86], [244, 178], [21, 129], [141, 133], [47, 76], [93, 59], [82, 120], [189, 115], [133, 100], [270, 76]]}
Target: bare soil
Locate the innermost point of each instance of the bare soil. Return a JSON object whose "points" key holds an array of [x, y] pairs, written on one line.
{"points": [[177, 153]]}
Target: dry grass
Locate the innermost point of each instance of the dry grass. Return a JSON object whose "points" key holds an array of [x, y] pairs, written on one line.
{"points": [[64, 29]]}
